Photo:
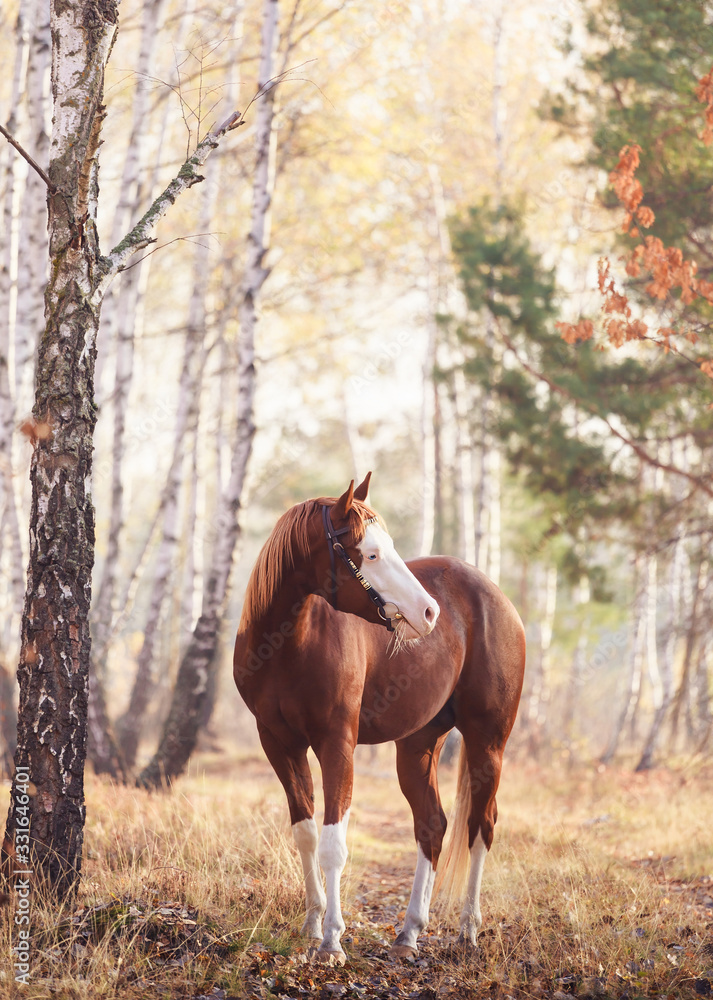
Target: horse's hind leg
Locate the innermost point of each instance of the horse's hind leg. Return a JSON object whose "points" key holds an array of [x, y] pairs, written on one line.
{"points": [[293, 771], [416, 764], [483, 752]]}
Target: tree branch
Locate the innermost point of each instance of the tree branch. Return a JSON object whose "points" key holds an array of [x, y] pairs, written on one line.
{"points": [[635, 447], [140, 236], [26, 155]]}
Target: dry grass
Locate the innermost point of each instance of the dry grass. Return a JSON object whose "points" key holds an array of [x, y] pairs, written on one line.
{"points": [[597, 884]]}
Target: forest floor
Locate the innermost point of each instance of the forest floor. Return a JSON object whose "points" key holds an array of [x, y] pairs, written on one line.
{"points": [[600, 883]]}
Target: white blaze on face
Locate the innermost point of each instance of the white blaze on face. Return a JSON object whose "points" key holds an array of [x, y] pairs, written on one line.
{"points": [[386, 571]]}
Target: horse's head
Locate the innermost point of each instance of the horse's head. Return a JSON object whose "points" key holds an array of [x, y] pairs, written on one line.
{"points": [[370, 577]]}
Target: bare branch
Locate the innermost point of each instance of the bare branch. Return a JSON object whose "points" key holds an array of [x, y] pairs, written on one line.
{"points": [[26, 155], [140, 236], [643, 454], [160, 246]]}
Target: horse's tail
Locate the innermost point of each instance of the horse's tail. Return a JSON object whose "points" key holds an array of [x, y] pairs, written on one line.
{"points": [[455, 860]]}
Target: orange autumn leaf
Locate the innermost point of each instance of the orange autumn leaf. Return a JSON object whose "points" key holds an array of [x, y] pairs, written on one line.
{"points": [[666, 267], [628, 189], [573, 332], [645, 217]]}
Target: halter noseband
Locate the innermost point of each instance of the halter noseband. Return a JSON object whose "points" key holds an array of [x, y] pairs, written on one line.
{"points": [[336, 546]]}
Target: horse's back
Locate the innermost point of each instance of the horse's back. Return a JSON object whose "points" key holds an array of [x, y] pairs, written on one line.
{"points": [[471, 600]]}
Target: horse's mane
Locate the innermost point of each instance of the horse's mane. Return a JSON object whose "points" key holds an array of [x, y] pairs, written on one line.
{"points": [[290, 540]]}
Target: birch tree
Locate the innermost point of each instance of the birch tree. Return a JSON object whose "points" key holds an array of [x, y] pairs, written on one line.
{"points": [[10, 538], [55, 643], [130, 725], [193, 683], [32, 246]]}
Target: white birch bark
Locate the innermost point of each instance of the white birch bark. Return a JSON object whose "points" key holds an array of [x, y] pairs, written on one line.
{"points": [[652, 659], [669, 607], [189, 602], [193, 683], [702, 714], [676, 606], [54, 659], [33, 247], [494, 511], [14, 557], [630, 694], [438, 295], [187, 416], [10, 194], [118, 317], [538, 701], [685, 695], [464, 469], [576, 675], [130, 725], [56, 643], [428, 443], [488, 516]]}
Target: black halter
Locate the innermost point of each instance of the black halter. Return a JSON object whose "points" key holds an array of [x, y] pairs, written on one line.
{"points": [[336, 546]]}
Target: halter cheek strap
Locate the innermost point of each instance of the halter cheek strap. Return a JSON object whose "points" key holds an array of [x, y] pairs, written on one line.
{"points": [[336, 546]]}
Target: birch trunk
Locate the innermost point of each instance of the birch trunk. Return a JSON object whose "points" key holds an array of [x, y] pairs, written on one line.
{"points": [[488, 515], [464, 470], [428, 448], [11, 525], [581, 598], [682, 698], [8, 720], [664, 689], [54, 659], [118, 316], [47, 833], [701, 679], [630, 696], [536, 717], [193, 568], [193, 684], [15, 560], [494, 512], [438, 294], [438, 506], [32, 248], [131, 723]]}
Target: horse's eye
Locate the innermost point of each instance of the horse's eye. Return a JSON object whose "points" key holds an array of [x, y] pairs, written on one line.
{"points": [[372, 556]]}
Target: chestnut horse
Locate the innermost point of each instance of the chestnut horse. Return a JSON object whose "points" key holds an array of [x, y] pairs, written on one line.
{"points": [[341, 642]]}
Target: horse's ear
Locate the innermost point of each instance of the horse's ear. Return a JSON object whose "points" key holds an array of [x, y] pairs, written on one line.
{"points": [[362, 490], [344, 503]]}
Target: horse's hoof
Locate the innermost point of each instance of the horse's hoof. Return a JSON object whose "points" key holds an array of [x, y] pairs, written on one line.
{"points": [[403, 951], [330, 957]]}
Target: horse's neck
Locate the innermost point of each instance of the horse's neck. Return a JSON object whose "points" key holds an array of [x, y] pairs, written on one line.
{"points": [[283, 611]]}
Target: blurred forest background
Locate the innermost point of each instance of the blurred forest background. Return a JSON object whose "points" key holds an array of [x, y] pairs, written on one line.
{"points": [[438, 200]]}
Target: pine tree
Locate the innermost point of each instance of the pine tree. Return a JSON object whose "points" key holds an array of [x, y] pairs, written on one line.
{"points": [[562, 455]]}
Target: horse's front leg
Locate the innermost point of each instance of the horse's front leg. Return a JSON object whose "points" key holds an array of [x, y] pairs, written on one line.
{"points": [[336, 757], [292, 768]]}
